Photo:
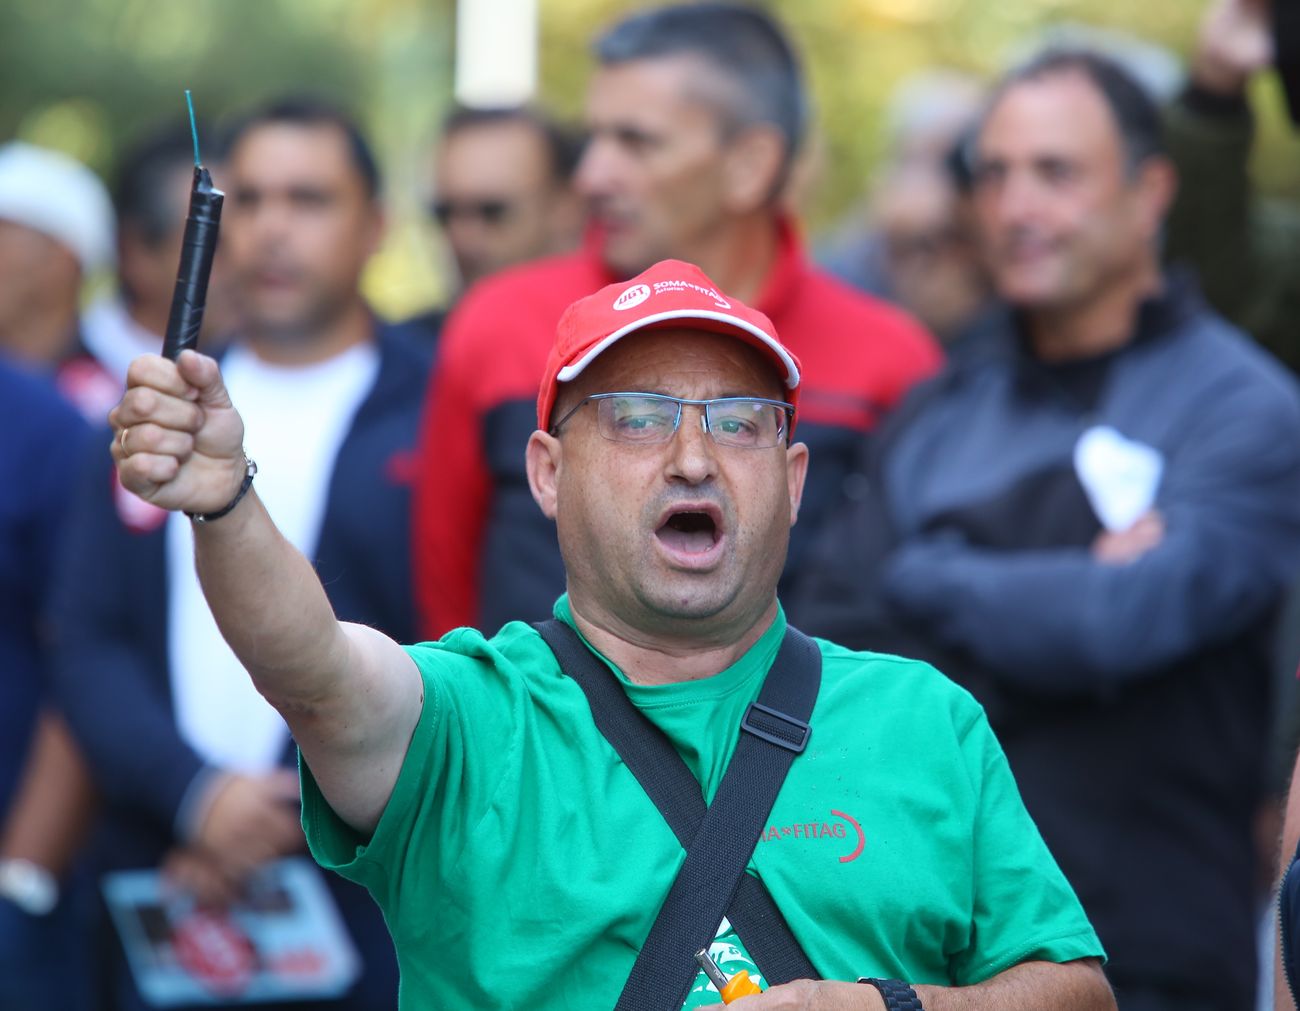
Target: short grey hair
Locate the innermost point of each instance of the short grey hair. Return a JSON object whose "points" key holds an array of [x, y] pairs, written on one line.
{"points": [[743, 43]]}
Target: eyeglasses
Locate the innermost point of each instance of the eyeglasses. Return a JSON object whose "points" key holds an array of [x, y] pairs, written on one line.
{"points": [[490, 212], [649, 419], [922, 246]]}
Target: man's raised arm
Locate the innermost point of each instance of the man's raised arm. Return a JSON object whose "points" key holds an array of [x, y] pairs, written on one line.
{"points": [[350, 695]]}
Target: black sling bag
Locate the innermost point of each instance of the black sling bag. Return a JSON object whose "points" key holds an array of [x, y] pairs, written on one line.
{"points": [[1288, 918], [718, 838]]}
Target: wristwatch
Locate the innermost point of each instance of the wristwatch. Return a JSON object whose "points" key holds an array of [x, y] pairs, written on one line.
{"points": [[898, 995], [28, 886]]}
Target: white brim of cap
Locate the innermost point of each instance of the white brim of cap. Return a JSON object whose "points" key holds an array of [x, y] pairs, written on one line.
{"points": [[572, 371]]}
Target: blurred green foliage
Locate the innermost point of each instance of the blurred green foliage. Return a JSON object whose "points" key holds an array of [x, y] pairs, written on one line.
{"points": [[86, 76], [89, 76]]}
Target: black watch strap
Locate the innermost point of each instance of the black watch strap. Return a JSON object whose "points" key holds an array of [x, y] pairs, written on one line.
{"points": [[898, 995], [250, 471]]}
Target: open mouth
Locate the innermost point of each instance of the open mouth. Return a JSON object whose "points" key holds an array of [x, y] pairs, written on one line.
{"points": [[691, 531]]}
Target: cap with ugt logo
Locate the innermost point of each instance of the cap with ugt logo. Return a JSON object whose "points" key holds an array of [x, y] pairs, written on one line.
{"points": [[669, 294]]}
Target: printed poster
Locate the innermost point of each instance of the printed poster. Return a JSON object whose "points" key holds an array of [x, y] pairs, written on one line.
{"points": [[284, 941]]}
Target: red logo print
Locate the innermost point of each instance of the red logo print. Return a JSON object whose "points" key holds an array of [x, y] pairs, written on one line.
{"points": [[846, 827], [215, 952]]}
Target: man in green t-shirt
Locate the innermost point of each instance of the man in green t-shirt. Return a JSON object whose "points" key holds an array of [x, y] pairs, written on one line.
{"points": [[464, 782]]}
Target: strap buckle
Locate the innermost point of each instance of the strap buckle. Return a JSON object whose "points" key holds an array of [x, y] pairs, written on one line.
{"points": [[776, 727]]}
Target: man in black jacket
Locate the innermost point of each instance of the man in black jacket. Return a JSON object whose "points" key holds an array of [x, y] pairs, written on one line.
{"points": [[1089, 522]]}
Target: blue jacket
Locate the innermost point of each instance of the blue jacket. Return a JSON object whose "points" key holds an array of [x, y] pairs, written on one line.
{"points": [[111, 616], [44, 437], [1132, 700]]}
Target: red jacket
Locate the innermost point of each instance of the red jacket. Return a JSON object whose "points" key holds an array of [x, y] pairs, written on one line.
{"points": [[484, 554]]}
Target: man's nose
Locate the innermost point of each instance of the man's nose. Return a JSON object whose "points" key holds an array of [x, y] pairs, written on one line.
{"points": [[1018, 199], [596, 168], [692, 452], [271, 220], [466, 228]]}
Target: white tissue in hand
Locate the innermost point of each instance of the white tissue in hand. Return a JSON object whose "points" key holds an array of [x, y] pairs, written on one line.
{"points": [[1119, 475]]}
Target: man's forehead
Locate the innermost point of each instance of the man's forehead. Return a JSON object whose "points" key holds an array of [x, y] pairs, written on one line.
{"points": [[484, 154], [651, 86], [20, 231], [515, 132], [34, 246], [654, 359], [303, 149], [1059, 108]]}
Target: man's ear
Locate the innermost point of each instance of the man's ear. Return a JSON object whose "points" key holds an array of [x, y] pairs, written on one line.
{"points": [[752, 166], [542, 459], [1157, 185], [376, 229], [796, 469], [566, 216]]}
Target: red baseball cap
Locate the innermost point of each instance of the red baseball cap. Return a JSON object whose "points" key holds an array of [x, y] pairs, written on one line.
{"points": [[669, 294]]}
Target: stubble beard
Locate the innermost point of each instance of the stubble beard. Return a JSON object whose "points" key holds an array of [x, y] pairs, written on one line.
{"points": [[300, 329]]}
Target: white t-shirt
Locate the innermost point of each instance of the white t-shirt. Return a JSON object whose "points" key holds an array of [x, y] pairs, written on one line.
{"points": [[295, 421], [114, 338]]}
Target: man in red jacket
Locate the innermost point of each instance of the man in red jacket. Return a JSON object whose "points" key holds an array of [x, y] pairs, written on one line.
{"points": [[695, 116]]}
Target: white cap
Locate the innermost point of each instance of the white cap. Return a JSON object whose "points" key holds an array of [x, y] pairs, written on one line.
{"points": [[58, 196]]}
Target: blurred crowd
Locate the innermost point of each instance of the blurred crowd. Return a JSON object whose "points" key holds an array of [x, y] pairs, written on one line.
{"points": [[1050, 394]]}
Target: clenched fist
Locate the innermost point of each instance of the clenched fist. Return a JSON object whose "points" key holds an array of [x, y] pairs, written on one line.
{"points": [[177, 439], [1235, 43]]}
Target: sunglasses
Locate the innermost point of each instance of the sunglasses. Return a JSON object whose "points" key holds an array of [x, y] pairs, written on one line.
{"points": [[490, 212]]}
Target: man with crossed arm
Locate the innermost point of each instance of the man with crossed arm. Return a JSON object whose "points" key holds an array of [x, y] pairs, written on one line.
{"points": [[464, 781]]}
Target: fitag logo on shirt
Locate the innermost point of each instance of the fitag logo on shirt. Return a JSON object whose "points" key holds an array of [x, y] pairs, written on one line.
{"points": [[844, 827]]}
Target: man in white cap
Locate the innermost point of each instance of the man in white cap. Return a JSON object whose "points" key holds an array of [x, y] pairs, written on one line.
{"points": [[56, 230], [469, 783]]}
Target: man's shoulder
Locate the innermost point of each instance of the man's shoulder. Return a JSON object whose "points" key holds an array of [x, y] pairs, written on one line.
{"points": [[920, 717], [47, 444], [410, 340], [851, 341], [516, 647], [1219, 362], [895, 682], [510, 317], [1203, 330], [403, 353], [828, 296], [36, 406]]}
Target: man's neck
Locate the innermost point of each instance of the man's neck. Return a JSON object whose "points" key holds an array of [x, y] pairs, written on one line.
{"points": [[1096, 326], [650, 658], [740, 257], [352, 327]]}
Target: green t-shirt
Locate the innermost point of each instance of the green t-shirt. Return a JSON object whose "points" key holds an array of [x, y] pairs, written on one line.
{"points": [[519, 863]]}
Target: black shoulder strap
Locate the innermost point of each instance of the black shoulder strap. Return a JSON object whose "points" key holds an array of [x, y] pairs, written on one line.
{"points": [[720, 838], [1288, 910]]}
